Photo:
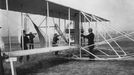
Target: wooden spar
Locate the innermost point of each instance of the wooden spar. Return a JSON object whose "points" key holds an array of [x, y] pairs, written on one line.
{"points": [[49, 41], [69, 24], [80, 33], [9, 38], [38, 51]]}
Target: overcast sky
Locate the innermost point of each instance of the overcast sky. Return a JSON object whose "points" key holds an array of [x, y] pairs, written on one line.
{"points": [[120, 12]]}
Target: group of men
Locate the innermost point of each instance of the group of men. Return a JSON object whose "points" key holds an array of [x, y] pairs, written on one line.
{"points": [[27, 42], [27, 39]]}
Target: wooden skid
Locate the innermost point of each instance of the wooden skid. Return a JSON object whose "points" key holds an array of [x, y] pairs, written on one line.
{"points": [[105, 59]]}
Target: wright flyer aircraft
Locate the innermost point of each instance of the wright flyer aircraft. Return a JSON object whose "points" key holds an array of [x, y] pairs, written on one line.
{"points": [[69, 24]]}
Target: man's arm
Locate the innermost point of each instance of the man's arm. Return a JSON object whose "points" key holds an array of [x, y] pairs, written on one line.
{"points": [[4, 56], [85, 36]]}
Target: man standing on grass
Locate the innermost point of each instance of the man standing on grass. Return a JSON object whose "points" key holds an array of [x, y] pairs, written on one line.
{"points": [[24, 44], [90, 38], [55, 40], [2, 56], [31, 40]]}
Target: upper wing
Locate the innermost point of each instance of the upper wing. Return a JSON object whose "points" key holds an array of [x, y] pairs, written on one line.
{"points": [[40, 7]]}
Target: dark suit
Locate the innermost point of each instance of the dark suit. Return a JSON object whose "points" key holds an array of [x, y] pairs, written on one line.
{"points": [[31, 41], [24, 46], [24, 42], [55, 40], [90, 38], [1, 62], [1, 65]]}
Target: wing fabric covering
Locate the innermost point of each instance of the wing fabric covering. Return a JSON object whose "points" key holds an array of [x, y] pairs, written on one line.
{"points": [[40, 35]]}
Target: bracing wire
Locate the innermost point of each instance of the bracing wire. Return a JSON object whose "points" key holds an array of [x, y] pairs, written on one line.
{"points": [[90, 53], [109, 45], [42, 22], [121, 33], [115, 41]]}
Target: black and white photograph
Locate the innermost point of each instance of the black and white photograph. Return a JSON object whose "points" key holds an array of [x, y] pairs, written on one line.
{"points": [[66, 37]]}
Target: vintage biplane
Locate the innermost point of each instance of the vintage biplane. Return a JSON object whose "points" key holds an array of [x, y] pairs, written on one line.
{"points": [[74, 23]]}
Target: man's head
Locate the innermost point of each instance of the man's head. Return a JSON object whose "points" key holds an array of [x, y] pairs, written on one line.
{"points": [[2, 47], [55, 33], [90, 30], [30, 33], [24, 32]]}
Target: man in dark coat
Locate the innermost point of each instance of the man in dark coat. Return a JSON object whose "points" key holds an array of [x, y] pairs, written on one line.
{"points": [[2, 56], [55, 40], [24, 43], [1, 64], [31, 40], [90, 38]]}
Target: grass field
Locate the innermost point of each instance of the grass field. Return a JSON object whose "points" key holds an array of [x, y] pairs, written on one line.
{"points": [[48, 64]]}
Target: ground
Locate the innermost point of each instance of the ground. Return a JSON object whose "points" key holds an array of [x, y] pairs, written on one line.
{"points": [[49, 64]]}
